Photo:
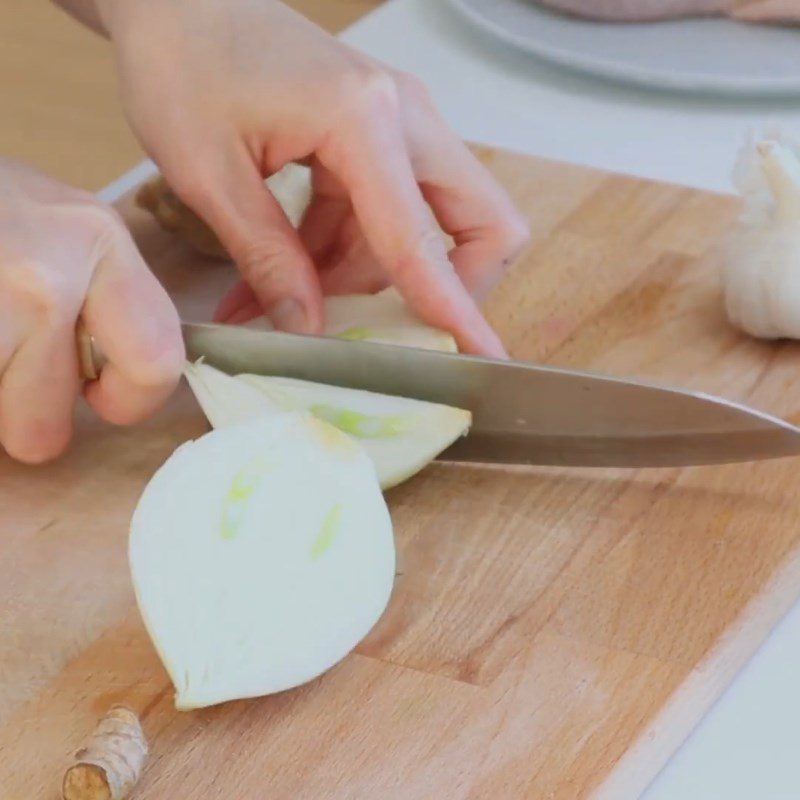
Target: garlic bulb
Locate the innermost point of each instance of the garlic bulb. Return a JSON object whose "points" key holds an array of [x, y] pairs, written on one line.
{"points": [[762, 255], [261, 555]]}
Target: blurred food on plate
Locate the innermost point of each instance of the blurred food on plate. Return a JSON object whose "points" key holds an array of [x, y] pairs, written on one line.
{"points": [[770, 11]]}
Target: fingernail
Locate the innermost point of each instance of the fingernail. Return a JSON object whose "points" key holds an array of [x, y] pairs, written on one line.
{"points": [[288, 315], [244, 314], [494, 348], [488, 343], [237, 318]]}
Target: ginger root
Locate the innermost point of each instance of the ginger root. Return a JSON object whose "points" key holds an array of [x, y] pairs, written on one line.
{"points": [[291, 186], [111, 763], [176, 217]]}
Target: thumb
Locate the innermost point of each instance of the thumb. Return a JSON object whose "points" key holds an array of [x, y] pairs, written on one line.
{"points": [[231, 196]]}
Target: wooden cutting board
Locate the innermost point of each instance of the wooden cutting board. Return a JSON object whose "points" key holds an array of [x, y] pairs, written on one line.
{"points": [[554, 633]]}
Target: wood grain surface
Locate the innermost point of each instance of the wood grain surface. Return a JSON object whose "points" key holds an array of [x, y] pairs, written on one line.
{"points": [[554, 633], [58, 86]]}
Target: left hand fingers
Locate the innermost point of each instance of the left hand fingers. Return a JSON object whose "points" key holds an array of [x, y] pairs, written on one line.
{"points": [[469, 204], [370, 158], [333, 236], [230, 194], [38, 392], [238, 305], [334, 241], [355, 271]]}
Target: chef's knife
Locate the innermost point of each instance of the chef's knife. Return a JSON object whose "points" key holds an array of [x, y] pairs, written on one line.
{"points": [[523, 413]]}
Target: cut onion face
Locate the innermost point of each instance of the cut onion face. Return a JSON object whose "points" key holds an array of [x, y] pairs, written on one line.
{"points": [[400, 435], [224, 400], [261, 554], [383, 318], [419, 336]]}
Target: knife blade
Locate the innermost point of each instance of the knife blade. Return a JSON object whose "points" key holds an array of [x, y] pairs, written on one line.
{"points": [[523, 413]]}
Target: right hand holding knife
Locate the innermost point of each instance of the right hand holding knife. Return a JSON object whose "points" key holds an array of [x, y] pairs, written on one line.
{"points": [[64, 255]]}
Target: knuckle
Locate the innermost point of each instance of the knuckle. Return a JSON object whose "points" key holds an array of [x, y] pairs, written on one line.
{"points": [[374, 91], [413, 88], [106, 219], [427, 252], [193, 187], [106, 226], [430, 243], [50, 293], [109, 230], [514, 234], [264, 263]]}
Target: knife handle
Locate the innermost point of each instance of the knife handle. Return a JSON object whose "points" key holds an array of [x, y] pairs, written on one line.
{"points": [[90, 357]]}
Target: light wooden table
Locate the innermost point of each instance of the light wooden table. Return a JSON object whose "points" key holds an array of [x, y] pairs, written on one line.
{"points": [[60, 110]]}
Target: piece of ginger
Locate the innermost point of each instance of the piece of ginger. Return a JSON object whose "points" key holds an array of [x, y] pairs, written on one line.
{"points": [[291, 186], [175, 216], [111, 763]]}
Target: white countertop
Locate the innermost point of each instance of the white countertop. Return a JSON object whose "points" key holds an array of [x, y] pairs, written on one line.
{"points": [[748, 746]]}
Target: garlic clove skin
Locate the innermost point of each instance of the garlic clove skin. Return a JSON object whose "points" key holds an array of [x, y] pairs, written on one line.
{"points": [[781, 169], [749, 176], [261, 555], [400, 435]]}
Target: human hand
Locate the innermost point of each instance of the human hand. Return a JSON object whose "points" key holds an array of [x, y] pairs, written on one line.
{"points": [[64, 255], [225, 92]]}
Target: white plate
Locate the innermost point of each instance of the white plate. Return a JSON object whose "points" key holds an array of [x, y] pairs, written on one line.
{"points": [[699, 55]]}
